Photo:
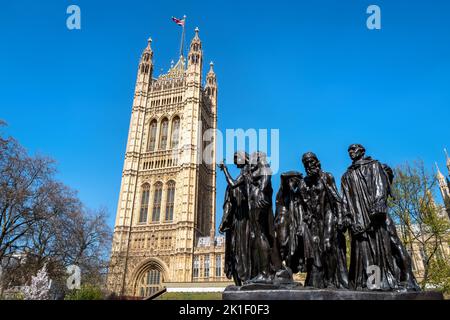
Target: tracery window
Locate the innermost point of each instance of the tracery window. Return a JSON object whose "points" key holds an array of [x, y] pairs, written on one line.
{"points": [[150, 283], [170, 200], [152, 136], [157, 202], [164, 133], [175, 132], [144, 203]]}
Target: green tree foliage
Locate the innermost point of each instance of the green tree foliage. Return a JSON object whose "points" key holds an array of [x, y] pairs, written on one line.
{"points": [[86, 292], [424, 227]]}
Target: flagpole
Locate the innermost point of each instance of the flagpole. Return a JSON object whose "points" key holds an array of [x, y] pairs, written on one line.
{"points": [[182, 36]]}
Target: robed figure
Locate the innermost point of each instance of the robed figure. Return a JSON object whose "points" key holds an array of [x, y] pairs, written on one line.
{"points": [[250, 255], [235, 222], [365, 190], [265, 259], [326, 262], [289, 212]]}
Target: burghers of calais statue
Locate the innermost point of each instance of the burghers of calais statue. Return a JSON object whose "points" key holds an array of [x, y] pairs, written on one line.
{"points": [[307, 233], [375, 247], [248, 221]]}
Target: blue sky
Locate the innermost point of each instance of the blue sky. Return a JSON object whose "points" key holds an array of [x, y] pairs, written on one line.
{"points": [[308, 68]]}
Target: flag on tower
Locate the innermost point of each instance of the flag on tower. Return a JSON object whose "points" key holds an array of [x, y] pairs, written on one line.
{"points": [[179, 22]]}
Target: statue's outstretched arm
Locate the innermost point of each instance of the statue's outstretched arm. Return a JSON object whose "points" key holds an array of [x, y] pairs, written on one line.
{"points": [[231, 182]]}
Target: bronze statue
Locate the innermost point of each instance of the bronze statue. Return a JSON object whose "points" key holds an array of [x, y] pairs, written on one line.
{"points": [[289, 212], [235, 222], [324, 242], [307, 233], [262, 240], [251, 255], [365, 191]]}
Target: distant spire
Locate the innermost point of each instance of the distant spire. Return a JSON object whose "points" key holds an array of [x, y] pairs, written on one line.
{"points": [[211, 82], [442, 183], [439, 173], [196, 33], [148, 50], [196, 38], [195, 55]]}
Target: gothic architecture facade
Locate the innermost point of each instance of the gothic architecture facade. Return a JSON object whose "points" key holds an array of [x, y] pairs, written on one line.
{"points": [[165, 224], [444, 184], [416, 249]]}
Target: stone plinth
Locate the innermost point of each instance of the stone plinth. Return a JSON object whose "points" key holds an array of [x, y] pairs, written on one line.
{"points": [[297, 292]]}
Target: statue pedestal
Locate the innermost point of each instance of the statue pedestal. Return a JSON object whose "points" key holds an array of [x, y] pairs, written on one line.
{"points": [[297, 292]]}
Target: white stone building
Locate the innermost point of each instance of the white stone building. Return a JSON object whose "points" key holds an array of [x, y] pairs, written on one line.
{"points": [[165, 223]]}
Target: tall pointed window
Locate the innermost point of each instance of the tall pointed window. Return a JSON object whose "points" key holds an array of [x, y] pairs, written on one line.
{"points": [[170, 200], [175, 132], [196, 267], [152, 136], [163, 134], [157, 202], [144, 203]]}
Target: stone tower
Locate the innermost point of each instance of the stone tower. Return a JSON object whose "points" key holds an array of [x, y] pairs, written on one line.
{"points": [[167, 195]]}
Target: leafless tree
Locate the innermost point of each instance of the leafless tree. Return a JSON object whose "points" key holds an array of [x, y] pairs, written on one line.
{"points": [[43, 222], [25, 187]]}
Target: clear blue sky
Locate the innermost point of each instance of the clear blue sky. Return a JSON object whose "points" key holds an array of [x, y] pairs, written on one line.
{"points": [[309, 68]]}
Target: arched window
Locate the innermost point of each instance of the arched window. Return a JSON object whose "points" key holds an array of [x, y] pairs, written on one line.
{"points": [[144, 203], [218, 265], [150, 283], [196, 267], [157, 202], [170, 200], [152, 136], [163, 134], [175, 132]]}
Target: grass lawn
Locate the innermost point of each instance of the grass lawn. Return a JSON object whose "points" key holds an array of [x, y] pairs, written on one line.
{"points": [[190, 296]]}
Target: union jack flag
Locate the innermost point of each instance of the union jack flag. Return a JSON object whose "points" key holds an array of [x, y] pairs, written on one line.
{"points": [[179, 22]]}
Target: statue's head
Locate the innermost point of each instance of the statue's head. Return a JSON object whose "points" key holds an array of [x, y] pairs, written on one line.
{"points": [[311, 163], [240, 159], [356, 152]]}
